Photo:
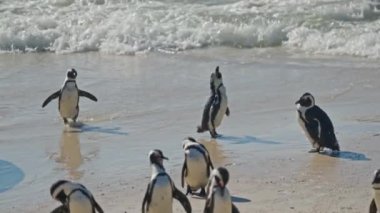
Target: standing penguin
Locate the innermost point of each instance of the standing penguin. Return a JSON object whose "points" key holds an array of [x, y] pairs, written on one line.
{"points": [[216, 106], [376, 188], [196, 167], [316, 124], [69, 97], [218, 196], [75, 198], [161, 189]]}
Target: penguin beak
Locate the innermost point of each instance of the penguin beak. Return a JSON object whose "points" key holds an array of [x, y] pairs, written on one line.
{"points": [[222, 186], [165, 158], [297, 102]]}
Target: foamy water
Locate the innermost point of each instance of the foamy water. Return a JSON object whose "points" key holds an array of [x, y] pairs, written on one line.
{"points": [[128, 27]]}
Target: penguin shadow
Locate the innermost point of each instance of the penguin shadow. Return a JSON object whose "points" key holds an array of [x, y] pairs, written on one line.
{"points": [[10, 175], [82, 127], [247, 139], [237, 199], [354, 156], [70, 155]]}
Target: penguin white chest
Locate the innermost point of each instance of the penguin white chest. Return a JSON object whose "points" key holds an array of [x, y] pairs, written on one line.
{"points": [[377, 197], [69, 101], [301, 112], [221, 111], [79, 203], [196, 169], [222, 204], [162, 199]]}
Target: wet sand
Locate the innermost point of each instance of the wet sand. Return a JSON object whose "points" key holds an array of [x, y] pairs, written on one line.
{"points": [[155, 100]]}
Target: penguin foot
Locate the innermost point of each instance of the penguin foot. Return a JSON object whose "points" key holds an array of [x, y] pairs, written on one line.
{"points": [[65, 121], [202, 193], [213, 134], [336, 147], [188, 191]]}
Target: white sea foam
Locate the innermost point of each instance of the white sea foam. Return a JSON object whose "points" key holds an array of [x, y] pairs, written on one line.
{"points": [[132, 26]]}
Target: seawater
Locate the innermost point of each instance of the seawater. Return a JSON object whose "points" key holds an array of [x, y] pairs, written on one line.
{"points": [[327, 27]]}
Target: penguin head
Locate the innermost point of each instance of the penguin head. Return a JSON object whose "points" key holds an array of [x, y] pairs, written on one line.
{"points": [[376, 179], [306, 100], [57, 190], [220, 177], [188, 141], [216, 78], [71, 74], [157, 157]]}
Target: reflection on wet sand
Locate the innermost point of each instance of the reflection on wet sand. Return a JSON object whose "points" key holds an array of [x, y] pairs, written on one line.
{"points": [[70, 154], [218, 158], [322, 166]]}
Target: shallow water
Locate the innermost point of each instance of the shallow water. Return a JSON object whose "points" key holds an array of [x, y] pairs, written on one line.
{"points": [[155, 100]]}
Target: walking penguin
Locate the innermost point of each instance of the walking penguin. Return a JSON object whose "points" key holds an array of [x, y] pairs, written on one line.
{"points": [[68, 97], [216, 106]]}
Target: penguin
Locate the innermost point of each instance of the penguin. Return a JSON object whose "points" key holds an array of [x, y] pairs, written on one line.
{"points": [[68, 97], [75, 198], [161, 189], [316, 124], [218, 196], [376, 188], [216, 106], [197, 166]]}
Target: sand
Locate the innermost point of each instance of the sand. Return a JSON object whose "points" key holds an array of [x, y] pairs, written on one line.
{"points": [[155, 100]]}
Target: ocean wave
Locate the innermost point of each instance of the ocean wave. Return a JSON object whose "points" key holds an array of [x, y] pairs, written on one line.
{"points": [[130, 27]]}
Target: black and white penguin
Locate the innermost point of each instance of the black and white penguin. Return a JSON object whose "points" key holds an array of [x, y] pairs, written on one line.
{"points": [[216, 106], [316, 124], [69, 97], [197, 166], [376, 188], [75, 198], [218, 196], [161, 189]]}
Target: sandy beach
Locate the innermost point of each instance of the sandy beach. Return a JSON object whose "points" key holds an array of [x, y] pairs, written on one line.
{"points": [[155, 100]]}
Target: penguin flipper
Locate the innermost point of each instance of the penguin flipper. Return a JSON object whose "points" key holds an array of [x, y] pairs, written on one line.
{"points": [[206, 114], [209, 206], [97, 206], [51, 97], [183, 173], [235, 209], [312, 126], [182, 199], [373, 207], [208, 160], [87, 95], [147, 198]]}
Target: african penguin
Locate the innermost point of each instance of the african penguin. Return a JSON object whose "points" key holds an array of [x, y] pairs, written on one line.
{"points": [[376, 188], [75, 198], [196, 166], [216, 106], [68, 97], [218, 196], [316, 124], [161, 189]]}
